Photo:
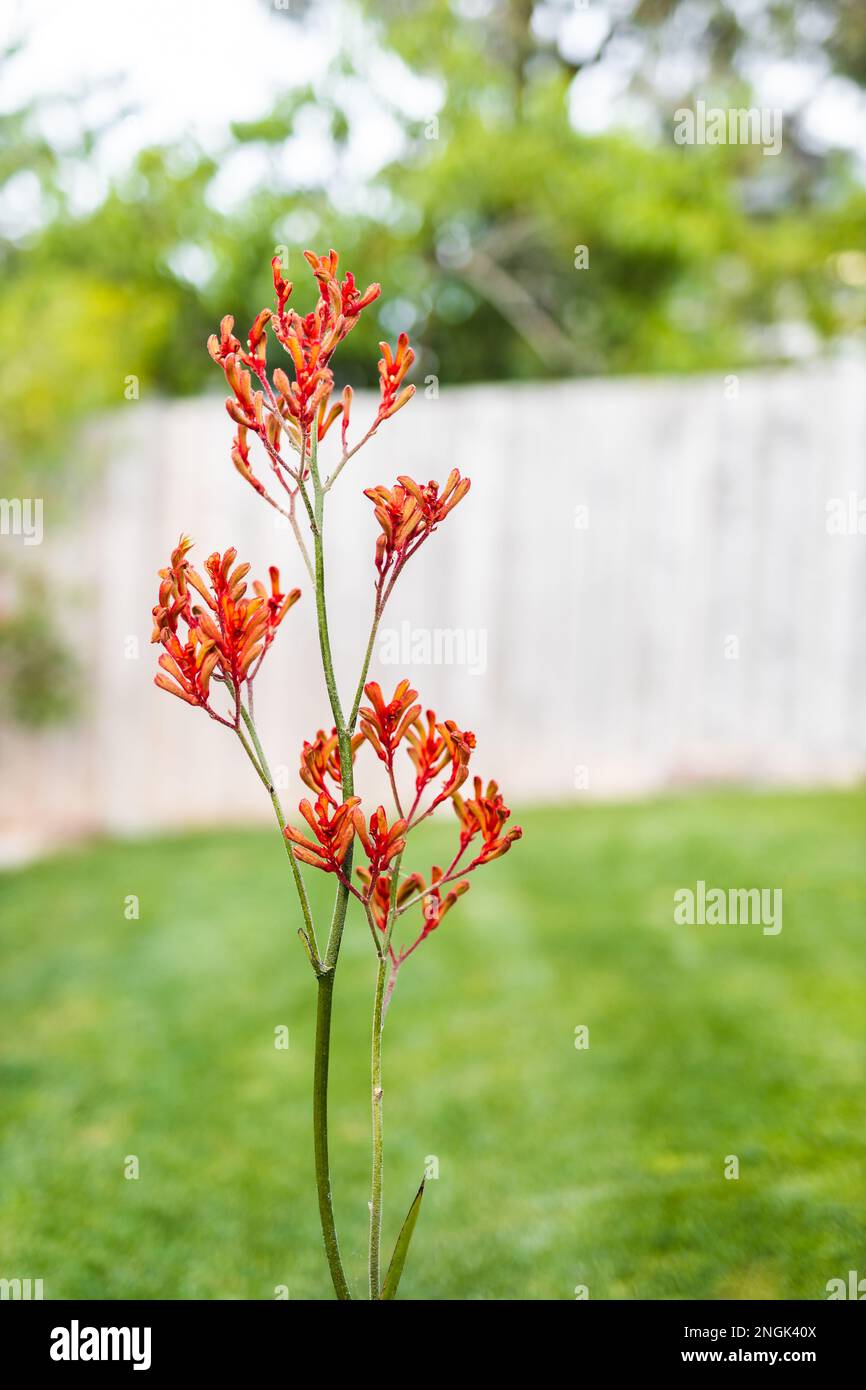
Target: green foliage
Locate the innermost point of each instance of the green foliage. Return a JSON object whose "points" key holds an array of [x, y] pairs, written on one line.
{"points": [[697, 257], [39, 676], [404, 1238], [558, 1167], [693, 253]]}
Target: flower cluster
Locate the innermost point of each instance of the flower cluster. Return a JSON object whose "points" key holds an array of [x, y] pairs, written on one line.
{"points": [[226, 639], [377, 893], [431, 749], [320, 760], [393, 367], [384, 725], [436, 749], [485, 815], [408, 513], [295, 404], [381, 842], [212, 629], [333, 831]]}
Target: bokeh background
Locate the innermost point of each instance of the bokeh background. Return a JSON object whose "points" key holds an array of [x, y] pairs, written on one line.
{"points": [[650, 359]]}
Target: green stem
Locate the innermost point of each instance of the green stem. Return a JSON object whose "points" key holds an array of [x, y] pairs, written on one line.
{"points": [[265, 773], [335, 935], [379, 1005], [368, 655], [344, 740], [323, 1032], [324, 635], [376, 1082], [320, 1133], [391, 919]]}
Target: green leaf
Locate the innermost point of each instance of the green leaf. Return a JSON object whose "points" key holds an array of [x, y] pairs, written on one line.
{"points": [[401, 1249]]}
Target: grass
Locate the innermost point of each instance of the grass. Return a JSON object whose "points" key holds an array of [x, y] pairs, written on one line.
{"points": [[557, 1167]]}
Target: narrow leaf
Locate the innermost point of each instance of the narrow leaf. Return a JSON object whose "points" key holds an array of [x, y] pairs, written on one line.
{"points": [[401, 1249]]}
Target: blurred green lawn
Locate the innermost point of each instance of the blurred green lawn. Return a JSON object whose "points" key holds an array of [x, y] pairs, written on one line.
{"points": [[557, 1167]]}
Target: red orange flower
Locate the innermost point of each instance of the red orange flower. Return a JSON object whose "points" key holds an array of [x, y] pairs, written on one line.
{"points": [[381, 843], [296, 404], [393, 367], [378, 893], [408, 513], [431, 750], [333, 834], [212, 629], [226, 344], [227, 638], [246, 407], [385, 724], [434, 906], [282, 286], [241, 460], [485, 814], [311, 340], [320, 760]]}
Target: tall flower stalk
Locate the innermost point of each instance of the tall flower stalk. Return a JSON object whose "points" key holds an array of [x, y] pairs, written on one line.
{"points": [[215, 632]]}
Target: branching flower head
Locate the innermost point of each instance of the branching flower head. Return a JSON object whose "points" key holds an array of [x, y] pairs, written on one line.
{"points": [[378, 893], [297, 401], [227, 634], [385, 724], [393, 367], [435, 747], [291, 410], [333, 831], [435, 906], [381, 842], [215, 631], [485, 814], [408, 513], [320, 762]]}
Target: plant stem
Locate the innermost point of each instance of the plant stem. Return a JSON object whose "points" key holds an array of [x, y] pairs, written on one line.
{"points": [[376, 1082], [341, 901], [389, 989], [329, 963], [325, 980], [265, 773], [377, 614], [379, 1005], [324, 635], [391, 919], [320, 1132], [332, 951]]}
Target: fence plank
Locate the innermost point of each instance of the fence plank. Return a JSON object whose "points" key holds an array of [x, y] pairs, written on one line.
{"points": [[610, 633]]}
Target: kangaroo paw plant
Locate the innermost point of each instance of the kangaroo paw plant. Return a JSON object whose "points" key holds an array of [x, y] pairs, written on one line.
{"points": [[216, 628]]}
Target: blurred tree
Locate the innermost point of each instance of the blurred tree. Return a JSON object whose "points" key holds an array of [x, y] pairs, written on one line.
{"points": [[698, 257], [39, 676], [514, 246]]}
